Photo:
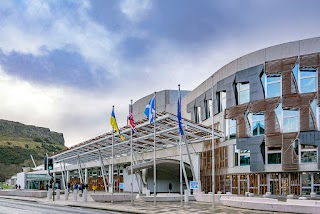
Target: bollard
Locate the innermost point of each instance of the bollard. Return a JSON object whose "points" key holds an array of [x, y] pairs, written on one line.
{"points": [[66, 194], [58, 194], [186, 196], [75, 194], [85, 195], [49, 193], [148, 193]]}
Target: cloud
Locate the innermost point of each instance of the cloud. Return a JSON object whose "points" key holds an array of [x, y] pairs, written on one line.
{"points": [[135, 10]]}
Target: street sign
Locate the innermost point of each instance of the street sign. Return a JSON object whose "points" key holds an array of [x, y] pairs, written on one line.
{"points": [[194, 184], [121, 185]]}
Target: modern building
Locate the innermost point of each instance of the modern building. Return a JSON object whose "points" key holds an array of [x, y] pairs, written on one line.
{"points": [[267, 104], [266, 131]]}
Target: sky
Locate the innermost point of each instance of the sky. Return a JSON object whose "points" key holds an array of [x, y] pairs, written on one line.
{"points": [[65, 63]]}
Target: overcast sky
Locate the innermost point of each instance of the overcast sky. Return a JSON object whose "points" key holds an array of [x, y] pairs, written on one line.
{"points": [[63, 64]]}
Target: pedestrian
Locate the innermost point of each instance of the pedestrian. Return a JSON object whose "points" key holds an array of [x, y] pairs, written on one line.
{"points": [[16, 186], [47, 186], [170, 187], [94, 188], [19, 186]]}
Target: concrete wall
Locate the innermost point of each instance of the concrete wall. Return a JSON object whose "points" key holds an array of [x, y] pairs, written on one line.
{"points": [[21, 180], [165, 101]]}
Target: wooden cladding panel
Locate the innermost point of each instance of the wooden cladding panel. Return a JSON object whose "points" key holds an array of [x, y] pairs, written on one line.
{"points": [[280, 65], [274, 139], [271, 123], [290, 160], [235, 111], [287, 82], [264, 105], [311, 60]]}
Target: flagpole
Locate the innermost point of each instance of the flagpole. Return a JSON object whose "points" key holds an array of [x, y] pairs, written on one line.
{"points": [[154, 153], [131, 148], [180, 154], [212, 152], [112, 161]]}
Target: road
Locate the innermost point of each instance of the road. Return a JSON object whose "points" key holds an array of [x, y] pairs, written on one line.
{"points": [[17, 207]]}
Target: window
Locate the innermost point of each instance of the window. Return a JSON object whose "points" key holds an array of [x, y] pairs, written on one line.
{"points": [[236, 156], [244, 157], [306, 183], [208, 107], [232, 129], [316, 183], [197, 114], [309, 154], [243, 92], [291, 121], [273, 86], [257, 124], [279, 114], [308, 80], [222, 100], [274, 155]]}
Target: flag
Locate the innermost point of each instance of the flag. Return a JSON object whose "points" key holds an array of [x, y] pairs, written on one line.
{"points": [[131, 121], [114, 124], [179, 114], [150, 110]]}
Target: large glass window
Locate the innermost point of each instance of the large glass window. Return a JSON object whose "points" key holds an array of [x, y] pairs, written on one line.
{"points": [[274, 155], [244, 157], [309, 154], [243, 93], [232, 129], [291, 121], [197, 114], [208, 107], [273, 86], [222, 100], [257, 123], [308, 80]]}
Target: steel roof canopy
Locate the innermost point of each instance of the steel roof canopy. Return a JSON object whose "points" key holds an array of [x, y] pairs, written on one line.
{"points": [[167, 135]]}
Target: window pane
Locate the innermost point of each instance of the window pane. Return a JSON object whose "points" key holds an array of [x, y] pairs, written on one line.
{"points": [[308, 156], [308, 85], [244, 160], [258, 128], [232, 133], [243, 86], [308, 72], [274, 158], [306, 180], [244, 97], [290, 124], [316, 179], [274, 78], [290, 113], [273, 90], [232, 122]]}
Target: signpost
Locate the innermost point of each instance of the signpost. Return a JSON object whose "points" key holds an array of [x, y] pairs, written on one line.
{"points": [[194, 184]]}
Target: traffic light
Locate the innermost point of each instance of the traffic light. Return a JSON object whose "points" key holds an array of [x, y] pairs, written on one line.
{"points": [[50, 163]]}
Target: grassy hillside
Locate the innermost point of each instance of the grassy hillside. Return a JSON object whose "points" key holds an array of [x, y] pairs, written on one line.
{"points": [[15, 153]]}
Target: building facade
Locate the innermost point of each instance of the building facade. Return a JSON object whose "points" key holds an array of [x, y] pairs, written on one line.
{"points": [[267, 104]]}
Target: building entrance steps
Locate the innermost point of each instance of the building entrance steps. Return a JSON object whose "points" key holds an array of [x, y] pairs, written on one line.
{"points": [[166, 197]]}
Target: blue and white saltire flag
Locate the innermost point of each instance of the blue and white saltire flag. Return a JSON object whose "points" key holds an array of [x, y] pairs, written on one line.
{"points": [[179, 115], [150, 110]]}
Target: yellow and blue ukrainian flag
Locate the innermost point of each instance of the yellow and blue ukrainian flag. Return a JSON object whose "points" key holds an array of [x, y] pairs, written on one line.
{"points": [[114, 124]]}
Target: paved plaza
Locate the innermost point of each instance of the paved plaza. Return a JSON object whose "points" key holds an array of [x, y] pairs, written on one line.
{"points": [[139, 206]]}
